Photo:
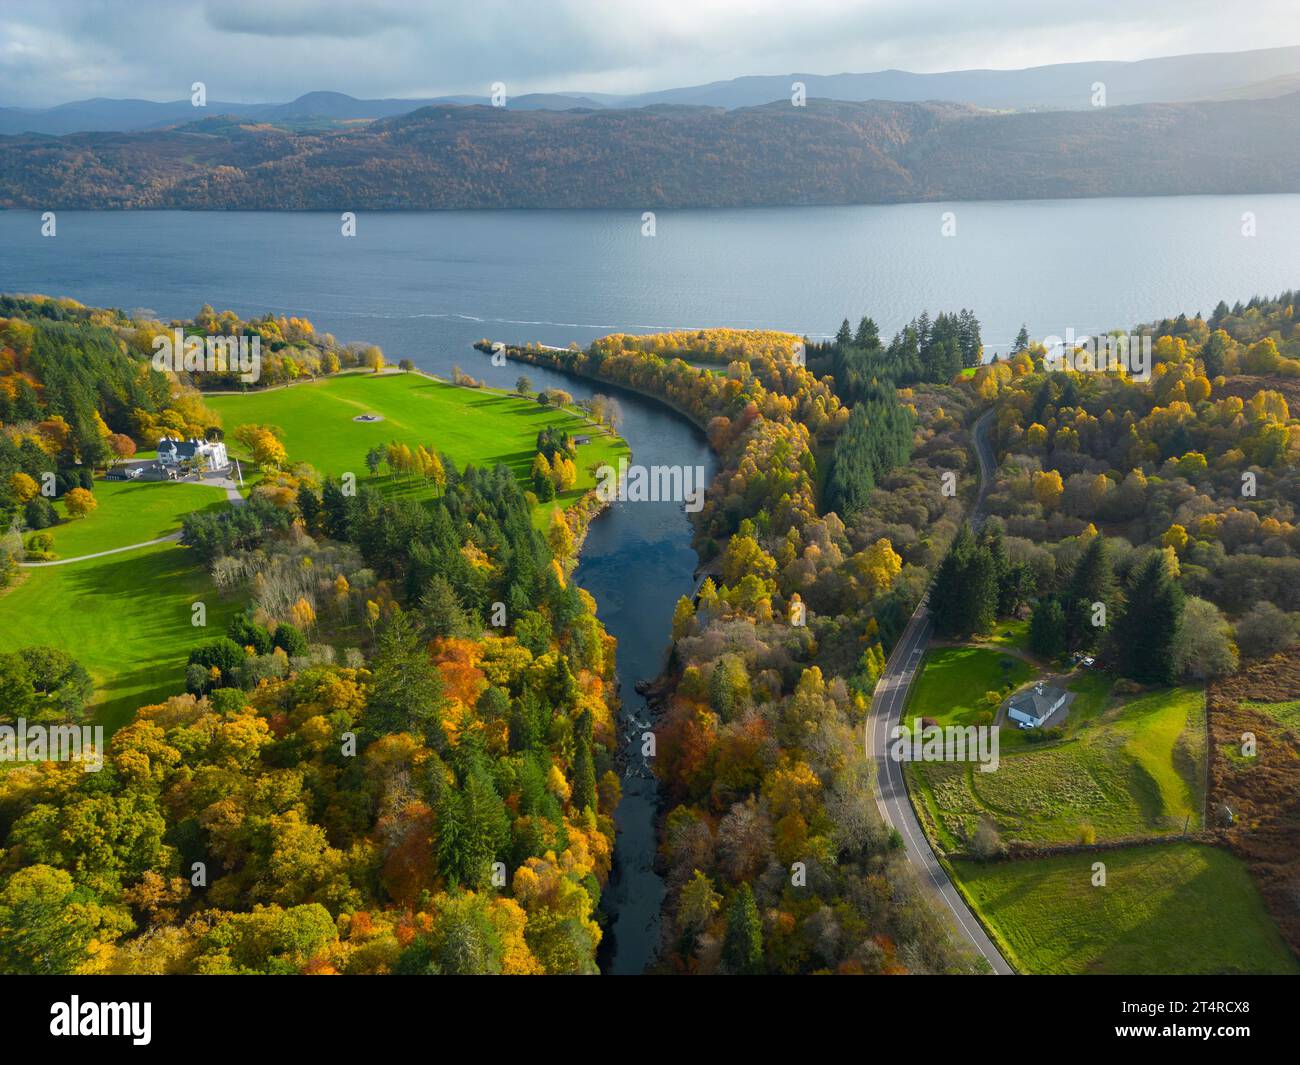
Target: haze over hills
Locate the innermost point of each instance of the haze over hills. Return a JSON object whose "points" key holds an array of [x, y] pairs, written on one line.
{"points": [[310, 109], [447, 156], [1060, 86], [1063, 86]]}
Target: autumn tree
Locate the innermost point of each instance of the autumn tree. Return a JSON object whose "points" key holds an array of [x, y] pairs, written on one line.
{"points": [[559, 536], [22, 487], [48, 924], [79, 502]]}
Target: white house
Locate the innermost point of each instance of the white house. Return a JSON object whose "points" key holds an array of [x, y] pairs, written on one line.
{"points": [[211, 454], [1029, 709]]}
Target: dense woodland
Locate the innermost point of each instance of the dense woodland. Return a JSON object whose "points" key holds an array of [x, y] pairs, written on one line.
{"points": [[435, 799], [451, 157], [396, 759], [1170, 505]]}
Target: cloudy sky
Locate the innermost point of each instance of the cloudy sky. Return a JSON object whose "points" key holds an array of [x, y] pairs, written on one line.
{"points": [[52, 51]]}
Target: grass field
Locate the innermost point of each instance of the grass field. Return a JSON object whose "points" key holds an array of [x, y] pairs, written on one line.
{"points": [[951, 688], [477, 426], [1129, 770], [125, 617], [1166, 908], [131, 512]]}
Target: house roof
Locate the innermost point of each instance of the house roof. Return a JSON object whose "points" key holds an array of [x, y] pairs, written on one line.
{"points": [[1037, 702], [184, 449]]}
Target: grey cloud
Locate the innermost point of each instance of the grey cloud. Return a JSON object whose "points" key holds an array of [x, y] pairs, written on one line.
{"points": [[273, 50], [309, 18]]}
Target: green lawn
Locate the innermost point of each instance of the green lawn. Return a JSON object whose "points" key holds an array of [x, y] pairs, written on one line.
{"points": [[1012, 633], [477, 426], [131, 512], [952, 686], [1166, 908], [125, 617], [1129, 770]]}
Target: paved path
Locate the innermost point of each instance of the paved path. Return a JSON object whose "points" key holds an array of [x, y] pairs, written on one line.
{"points": [[169, 538], [887, 707]]}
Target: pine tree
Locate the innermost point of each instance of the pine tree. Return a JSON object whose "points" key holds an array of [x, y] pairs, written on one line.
{"points": [[443, 612], [1047, 629], [972, 344], [947, 593], [964, 598], [877, 438], [449, 845], [309, 506], [564, 685], [486, 831], [335, 507], [406, 692], [1092, 582], [742, 948], [1143, 637], [867, 336], [981, 592], [991, 540], [584, 768]]}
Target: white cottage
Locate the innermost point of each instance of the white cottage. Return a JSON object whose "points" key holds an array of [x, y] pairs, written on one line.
{"points": [[1029, 709]]}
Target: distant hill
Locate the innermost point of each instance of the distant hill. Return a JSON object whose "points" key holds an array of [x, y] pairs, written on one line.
{"points": [[1256, 74], [666, 156], [1060, 86], [1259, 90], [312, 109]]}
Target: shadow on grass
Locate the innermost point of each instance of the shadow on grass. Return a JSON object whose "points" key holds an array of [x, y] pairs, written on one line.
{"points": [[145, 599]]}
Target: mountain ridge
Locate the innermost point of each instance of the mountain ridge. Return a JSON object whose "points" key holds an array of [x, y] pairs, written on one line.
{"points": [[1254, 74], [828, 152]]}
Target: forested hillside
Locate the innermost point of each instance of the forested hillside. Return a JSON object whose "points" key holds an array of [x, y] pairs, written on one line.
{"points": [[394, 758], [664, 156]]}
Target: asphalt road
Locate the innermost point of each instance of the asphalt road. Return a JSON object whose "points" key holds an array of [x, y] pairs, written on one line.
{"points": [[886, 709]]}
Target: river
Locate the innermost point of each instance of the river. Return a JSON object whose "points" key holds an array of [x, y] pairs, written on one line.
{"points": [[424, 286]]}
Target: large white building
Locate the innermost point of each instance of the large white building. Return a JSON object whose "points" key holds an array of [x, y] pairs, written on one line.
{"points": [[210, 454]]}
